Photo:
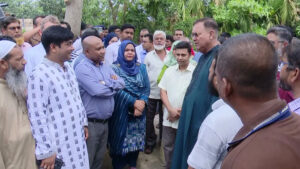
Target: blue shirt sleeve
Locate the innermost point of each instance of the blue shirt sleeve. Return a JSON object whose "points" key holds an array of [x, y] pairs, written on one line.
{"points": [[87, 81]]}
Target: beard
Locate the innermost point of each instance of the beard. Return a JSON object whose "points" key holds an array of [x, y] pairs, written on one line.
{"points": [[284, 85], [17, 82], [159, 47]]}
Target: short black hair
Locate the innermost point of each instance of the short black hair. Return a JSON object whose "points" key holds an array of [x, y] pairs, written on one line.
{"points": [[179, 30], [224, 36], [83, 26], [170, 38], [55, 35], [281, 32], [249, 62], [293, 53], [36, 17], [184, 45], [127, 26], [8, 20], [9, 38], [66, 23], [208, 23], [89, 32], [287, 28], [112, 28], [150, 36]]}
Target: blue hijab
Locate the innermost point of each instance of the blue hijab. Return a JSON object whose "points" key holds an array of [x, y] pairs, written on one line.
{"points": [[130, 67], [108, 38]]}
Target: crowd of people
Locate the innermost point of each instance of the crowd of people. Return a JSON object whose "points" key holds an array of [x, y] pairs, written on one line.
{"points": [[232, 103]]}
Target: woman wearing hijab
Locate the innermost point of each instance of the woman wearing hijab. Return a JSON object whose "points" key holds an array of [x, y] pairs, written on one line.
{"points": [[127, 124], [110, 38]]}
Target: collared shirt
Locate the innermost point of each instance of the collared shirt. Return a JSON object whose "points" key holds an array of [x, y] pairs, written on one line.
{"points": [[34, 56], [175, 82], [197, 56], [77, 50], [17, 145], [141, 53], [111, 53], [25, 46], [213, 138], [154, 65], [276, 145], [295, 106], [77, 60], [97, 88], [57, 114]]}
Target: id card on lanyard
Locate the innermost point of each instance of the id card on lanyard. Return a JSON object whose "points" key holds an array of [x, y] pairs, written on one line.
{"points": [[284, 113]]}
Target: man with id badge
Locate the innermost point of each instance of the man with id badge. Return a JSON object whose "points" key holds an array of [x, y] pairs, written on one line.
{"points": [[246, 77]]}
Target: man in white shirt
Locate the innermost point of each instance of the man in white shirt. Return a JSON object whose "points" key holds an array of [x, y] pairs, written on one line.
{"points": [[216, 131], [290, 74], [111, 54], [140, 49], [35, 55], [154, 62], [173, 86], [57, 115]]}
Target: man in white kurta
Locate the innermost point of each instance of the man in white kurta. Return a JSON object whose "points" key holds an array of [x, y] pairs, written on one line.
{"points": [[17, 145], [55, 108], [173, 86]]}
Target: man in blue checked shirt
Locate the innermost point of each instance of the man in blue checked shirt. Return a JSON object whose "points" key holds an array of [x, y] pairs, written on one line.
{"points": [[97, 84]]}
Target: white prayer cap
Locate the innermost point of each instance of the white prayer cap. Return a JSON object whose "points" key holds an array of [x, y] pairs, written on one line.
{"points": [[5, 47]]}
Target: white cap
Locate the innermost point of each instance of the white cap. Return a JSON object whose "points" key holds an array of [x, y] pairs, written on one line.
{"points": [[5, 47]]}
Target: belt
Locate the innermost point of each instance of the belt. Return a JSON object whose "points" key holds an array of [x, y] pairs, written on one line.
{"points": [[97, 120]]}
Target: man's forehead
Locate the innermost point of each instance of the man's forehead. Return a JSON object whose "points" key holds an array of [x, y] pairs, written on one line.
{"points": [[14, 23], [144, 32], [181, 50], [272, 36], [160, 35], [128, 30]]}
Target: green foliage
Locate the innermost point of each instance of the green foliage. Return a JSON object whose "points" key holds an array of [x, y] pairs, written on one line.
{"points": [[234, 16], [242, 15], [22, 8], [92, 13], [53, 7]]}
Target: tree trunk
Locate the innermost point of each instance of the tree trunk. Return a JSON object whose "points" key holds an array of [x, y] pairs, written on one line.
{"points": [[74, 14]]}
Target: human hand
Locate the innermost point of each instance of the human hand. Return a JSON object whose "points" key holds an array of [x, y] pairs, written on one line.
{"points": [[137, 112], [48, 163], [140, 105], [174, 114], [86, 132], [114, 77]]}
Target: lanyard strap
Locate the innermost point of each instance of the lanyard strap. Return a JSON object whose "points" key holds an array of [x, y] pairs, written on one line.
{"points": [[284, 113]]}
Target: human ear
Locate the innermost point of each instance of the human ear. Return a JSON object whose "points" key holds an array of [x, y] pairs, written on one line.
{"points": [[295, 75], [211, 34], [227, 88], [3, 64]]}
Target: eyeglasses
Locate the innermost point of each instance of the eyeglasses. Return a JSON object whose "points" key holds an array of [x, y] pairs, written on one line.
{"points": [[14, 28], [274, 42], [195, 35], [282, 63]]}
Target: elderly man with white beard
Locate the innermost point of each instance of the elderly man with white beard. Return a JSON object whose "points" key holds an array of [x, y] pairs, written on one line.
{"points": [[17, 145], [154, 62]]}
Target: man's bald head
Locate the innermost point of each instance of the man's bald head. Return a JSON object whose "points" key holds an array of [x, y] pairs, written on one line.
{"points": [[249, 63], [90, 41], [93, 48]]}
